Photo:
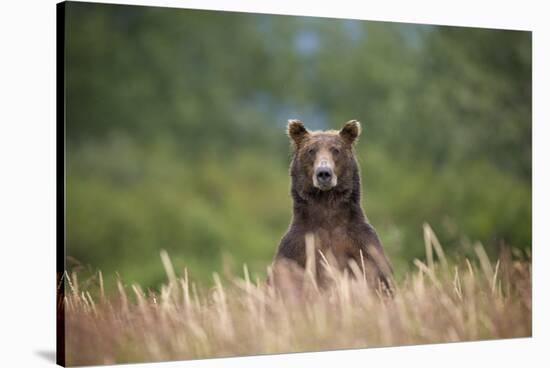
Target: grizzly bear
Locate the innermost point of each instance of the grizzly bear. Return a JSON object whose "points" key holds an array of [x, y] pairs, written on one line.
{"points": [[326, 191]]}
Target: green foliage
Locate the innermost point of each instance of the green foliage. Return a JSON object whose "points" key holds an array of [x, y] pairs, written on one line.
{"points": [[175, 133]]}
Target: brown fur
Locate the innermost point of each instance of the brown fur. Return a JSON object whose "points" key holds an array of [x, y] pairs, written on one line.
{"points": [[334, 217]]}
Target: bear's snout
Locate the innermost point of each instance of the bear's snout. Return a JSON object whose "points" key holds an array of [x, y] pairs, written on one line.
{"points": [[324, 175]]}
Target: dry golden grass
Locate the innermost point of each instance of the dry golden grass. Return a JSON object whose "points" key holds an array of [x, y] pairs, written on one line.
{"points": [[440, 302]]}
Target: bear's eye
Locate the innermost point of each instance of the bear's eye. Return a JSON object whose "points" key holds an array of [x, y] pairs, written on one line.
{"points": [[311, 151], [335, 151]]}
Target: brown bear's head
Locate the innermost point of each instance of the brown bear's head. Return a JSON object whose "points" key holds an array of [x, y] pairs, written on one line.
{"points": [[323, 160]]}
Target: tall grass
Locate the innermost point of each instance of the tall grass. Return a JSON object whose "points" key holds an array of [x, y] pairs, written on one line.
{"points": [[441, 301]]}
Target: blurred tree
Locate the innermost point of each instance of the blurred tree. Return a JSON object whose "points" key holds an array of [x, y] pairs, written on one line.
{"points": [[175, 132]]}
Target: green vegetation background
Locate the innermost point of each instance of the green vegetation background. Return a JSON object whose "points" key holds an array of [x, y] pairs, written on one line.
{"points": [[175, 133]]}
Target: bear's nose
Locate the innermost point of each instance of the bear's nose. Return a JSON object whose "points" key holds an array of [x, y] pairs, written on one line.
{"points": [[324, 174]]}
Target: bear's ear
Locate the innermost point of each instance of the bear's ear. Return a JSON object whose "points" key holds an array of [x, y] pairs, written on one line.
{"points": [[350, 131], [296, 131]]}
